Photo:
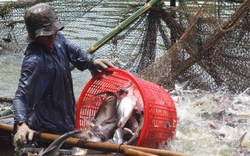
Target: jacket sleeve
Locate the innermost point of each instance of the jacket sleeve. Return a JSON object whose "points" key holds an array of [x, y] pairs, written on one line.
{"points": [[81, 59], [32, 84]]}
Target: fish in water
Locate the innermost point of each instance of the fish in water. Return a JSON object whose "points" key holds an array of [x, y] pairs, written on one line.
{"points": [[53, 148], [241, 149], [108, 107], [179, 87]]}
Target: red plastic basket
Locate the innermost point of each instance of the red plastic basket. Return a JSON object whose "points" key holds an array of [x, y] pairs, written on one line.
{"points": [[160, 116]]}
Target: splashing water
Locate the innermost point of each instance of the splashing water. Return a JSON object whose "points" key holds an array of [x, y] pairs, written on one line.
{"points": [[211, 123]]}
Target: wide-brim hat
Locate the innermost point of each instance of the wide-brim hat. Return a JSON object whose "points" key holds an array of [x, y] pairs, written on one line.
{"points": [[41, 20]]}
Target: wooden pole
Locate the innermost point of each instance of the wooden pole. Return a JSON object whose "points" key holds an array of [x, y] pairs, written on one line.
{"points": [[102, 146], [134, 152], [5, 127]]}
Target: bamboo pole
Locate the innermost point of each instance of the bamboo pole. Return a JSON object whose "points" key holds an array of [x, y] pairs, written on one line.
{"points": [[7, 111], [5, 127], [102, 146], [120, 27], [134, 152], [123, 25]]}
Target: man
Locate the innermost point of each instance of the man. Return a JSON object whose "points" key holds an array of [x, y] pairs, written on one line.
{"points": [[44, 100]]}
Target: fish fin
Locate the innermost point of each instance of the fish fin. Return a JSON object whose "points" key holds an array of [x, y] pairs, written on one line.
{"points": [[239, 142], [49, 151], [41, 151]]}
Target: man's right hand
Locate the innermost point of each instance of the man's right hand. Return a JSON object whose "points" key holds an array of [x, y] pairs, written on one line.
{"points": [[24, 134]]}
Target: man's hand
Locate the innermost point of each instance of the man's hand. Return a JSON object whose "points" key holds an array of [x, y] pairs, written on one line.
{"points": [[23, 134], [102, 64]]}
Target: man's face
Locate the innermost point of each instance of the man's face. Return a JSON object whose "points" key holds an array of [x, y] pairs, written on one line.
{"points": [[47, 40]]}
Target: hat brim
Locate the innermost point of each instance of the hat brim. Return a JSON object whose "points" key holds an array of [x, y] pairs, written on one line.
{"points": [[56, 26]]}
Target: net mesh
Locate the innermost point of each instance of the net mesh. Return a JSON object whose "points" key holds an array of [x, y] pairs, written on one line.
{"points": [[205, 44], [12, 21], [213, 51]]}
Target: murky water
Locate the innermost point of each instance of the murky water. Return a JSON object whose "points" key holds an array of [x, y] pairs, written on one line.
{"points": [[209, 123], [212, 123]]}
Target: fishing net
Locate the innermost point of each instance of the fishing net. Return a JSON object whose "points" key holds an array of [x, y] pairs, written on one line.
{"points": [[205, 44], [212, 52], [12, 22]]}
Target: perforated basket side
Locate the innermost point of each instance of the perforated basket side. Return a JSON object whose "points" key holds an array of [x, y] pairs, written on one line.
{"points": [[87, 106], [160, 116]]}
